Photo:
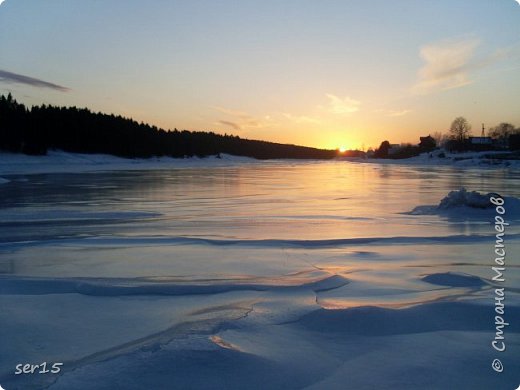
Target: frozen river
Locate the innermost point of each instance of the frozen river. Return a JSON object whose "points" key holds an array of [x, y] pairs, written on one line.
{"points": [[279, 275]]}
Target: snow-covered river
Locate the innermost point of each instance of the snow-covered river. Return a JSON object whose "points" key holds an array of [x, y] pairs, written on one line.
{"points": [[268, 275]]}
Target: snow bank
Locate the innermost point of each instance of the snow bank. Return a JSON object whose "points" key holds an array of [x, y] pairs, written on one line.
{"points": [[126, 287], [136, 242], [444, 158], [371, 320], [469, 204], [63, 162], [29, 217], [472, 199]]}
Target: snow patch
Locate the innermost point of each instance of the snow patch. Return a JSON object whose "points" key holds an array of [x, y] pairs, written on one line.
{"points": [[468, 204], [441, 157], [111, 287], [470, 199], [63, 162]]}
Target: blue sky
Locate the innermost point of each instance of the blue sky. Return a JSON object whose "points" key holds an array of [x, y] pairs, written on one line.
{"points": [[318, 73]]}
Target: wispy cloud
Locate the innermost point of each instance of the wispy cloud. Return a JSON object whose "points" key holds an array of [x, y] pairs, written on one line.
{"points": [[227, 111], [233, 125], [394, 113], [509, 53], [240, 120], [302, 118], [9, 77], [345, 105], [446, 65]]}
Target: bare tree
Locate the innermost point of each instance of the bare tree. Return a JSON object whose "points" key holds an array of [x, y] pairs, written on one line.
{"points": [[440, 139], [460, 129], [437, 136], [503, 130]]}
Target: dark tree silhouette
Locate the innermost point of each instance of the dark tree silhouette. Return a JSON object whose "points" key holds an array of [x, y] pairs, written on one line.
{"points": [[382, 151], [502, 133], [35, 130], [460, 129]]}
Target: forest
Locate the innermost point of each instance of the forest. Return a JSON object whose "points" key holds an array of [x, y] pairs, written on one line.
{"points": [[37, 129]]}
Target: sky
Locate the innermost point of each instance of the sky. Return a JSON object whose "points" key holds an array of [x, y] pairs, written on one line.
{"points": [[325, 73]]}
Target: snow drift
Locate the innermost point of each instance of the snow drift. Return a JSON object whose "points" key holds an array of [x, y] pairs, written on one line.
{"points": [[469, 204]]}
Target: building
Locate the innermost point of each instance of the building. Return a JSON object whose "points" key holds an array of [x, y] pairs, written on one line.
{"points": [[514, 142], [427, 143], [480, 141]]}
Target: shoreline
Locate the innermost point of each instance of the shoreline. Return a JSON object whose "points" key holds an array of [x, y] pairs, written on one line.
{"points": [[65, 162]]}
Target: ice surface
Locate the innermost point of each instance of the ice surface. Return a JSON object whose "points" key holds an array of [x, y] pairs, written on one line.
{"points": [[209, 274], [455, 280], [123, 287]]}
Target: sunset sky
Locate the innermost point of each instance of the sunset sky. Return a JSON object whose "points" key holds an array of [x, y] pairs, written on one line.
{"points": [[317, 73]]}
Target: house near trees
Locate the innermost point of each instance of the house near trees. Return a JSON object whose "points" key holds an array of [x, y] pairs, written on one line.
{"points": [[480, 140], [398, 151], [427, 143]]}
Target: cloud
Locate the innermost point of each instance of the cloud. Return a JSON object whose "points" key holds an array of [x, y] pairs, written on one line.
{"points": [[399, 113], [510, 53], [302, 118], [446, 65], [394, 113], [233, 125], [240, 120], [449, 64], [9, 77], [346, 105], [235, 113]]}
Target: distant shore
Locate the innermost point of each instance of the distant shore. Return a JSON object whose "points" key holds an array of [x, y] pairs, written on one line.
{"points": [[461, 159], [64, 162]]}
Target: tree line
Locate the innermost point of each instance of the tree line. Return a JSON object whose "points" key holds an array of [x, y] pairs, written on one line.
{"points": [[37, 129], [501, 137]]}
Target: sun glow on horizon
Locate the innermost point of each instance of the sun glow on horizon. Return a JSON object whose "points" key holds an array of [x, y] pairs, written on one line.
{"points": [[342, 149]]}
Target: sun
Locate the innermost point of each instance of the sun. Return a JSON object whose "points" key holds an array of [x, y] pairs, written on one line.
{"points": [[342, 149]]}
